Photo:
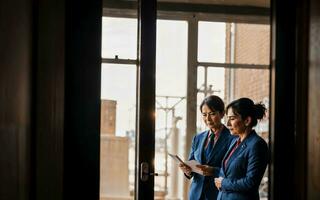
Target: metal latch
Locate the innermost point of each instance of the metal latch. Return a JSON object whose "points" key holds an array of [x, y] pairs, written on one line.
{"points": [[144, 173]]}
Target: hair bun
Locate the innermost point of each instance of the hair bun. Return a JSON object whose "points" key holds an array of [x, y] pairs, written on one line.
{"points": [[259, 110]]}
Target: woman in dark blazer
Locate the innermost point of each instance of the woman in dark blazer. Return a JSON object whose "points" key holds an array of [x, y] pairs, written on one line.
{"points": [[245, 162], [208, 148]]}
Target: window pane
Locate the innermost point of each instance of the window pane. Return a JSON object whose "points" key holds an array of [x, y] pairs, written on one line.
{"points": [[118, 113], [216, 81], [171, 60], [214, 86], [246, 43], [119, 38], [171, 79], [211, 42], [200, 77]]}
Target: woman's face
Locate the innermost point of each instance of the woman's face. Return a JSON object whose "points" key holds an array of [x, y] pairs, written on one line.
{"points": [[211, 118], [234, 123]]}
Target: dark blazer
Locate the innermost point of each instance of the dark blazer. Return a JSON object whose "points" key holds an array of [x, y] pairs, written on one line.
{"points": [[244, 170], [201, 184]]}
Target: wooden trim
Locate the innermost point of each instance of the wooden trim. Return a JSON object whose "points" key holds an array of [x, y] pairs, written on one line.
{"points": [[145, 137], [233, 66]]}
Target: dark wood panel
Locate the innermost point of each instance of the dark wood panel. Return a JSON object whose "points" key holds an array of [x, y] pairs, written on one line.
{"points": [[282, 118], [301, 114], [68, 99], [82, 99], [295, 101], [49, 98], [15, 96]]}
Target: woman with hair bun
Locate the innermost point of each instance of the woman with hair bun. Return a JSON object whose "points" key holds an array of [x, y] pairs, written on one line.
{"points": [[246, 160]]}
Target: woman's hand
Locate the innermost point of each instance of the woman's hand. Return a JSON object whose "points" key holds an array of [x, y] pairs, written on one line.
{"points": [[206, 170], [218, 182], [186, 169]]}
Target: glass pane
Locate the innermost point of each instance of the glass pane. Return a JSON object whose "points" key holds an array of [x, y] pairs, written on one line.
{"points": [[246, 43], [216, 81], [119, 38], [118, 115], [171, 79], [214, 85], [211, 42], [200, 77], [201, 126]]}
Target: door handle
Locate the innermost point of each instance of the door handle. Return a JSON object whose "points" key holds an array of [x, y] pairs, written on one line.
{"points": [[145, 172]]}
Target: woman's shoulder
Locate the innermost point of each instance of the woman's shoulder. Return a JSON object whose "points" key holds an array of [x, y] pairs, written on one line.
{"points": [[257, 140], [257, 137], [203, 133], [227, 134], [200, 135]]}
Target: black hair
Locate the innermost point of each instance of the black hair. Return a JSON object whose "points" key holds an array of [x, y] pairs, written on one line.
{"points": [[244, 107], [214, 103]]}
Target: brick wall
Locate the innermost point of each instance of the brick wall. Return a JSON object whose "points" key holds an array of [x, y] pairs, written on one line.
{"points": [[108, 117], [252, 46]]}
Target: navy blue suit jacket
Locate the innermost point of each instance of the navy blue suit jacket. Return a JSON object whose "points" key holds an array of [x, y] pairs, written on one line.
{"points": [[201, 184], [244, 170]]}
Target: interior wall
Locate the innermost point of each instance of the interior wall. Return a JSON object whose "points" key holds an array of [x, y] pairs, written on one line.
{"points": [[295, 101], [313, 163], [50, 99]]}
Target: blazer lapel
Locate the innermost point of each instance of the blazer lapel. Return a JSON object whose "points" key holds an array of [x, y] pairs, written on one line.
{"points": [[221, 138], [227, 153], [218, 144], [202, 144], [240, 148], [237, 152]]}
